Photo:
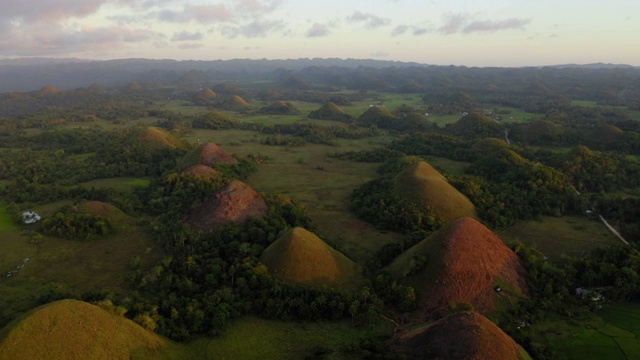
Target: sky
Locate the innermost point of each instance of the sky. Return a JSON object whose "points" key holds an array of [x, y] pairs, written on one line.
{"points": [[441, 32]]}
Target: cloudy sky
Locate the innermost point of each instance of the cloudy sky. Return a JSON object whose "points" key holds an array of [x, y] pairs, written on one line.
{"points": [[458, 32]]}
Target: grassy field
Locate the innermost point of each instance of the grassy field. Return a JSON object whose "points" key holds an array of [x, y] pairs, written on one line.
{"points": [[57, 264], [6, 222], [613, 334], [255, 338], [120, 183], [560, 237]]}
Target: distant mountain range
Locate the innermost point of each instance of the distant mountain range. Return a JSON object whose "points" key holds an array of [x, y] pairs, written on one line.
{"points": [[30, 74]]}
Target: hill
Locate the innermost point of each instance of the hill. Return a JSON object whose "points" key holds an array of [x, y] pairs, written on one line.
{"points": [[463, 262], [279, 108], [49, 90], [302, 257], [71, 329], [208, 154], [154, 138], [106, 210], [475, 125], [208, 94], [200, 170], [464, 335], [235, 103], [376, 115], [423, 185], [235, 202], [330, 111]]}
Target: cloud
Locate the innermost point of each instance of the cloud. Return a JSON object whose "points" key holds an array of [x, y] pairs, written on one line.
{"points": [[371, 21], [399, 30], [420, 31], [491, 26], [453, 23], [203, 14], [46, 38], [318, 30], [257, 28], [187, 36], [463, 23], [191, 46]]}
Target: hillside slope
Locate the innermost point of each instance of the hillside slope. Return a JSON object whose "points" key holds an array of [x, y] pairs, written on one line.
{"points": [[463, 262], [72, 329], [423, 185], [464, 335], [302, 257]]}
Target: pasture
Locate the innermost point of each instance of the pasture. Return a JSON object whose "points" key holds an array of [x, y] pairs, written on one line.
{"points": [[561, 237], [256, 338], [613, 334], [6, 222]]}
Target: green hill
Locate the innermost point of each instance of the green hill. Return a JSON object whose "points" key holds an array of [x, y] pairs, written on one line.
{"points": [[330, 111], [302, 257], [71, 329], [423, 185], [475, 125], [279, 108], [154, 138]]}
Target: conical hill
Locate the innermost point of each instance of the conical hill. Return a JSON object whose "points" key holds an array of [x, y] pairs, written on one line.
{"points": [[463, 335], [330, 111], [302, 257], [209, 154], [72, 329], [462, 262], [423, 185], [236, 202]]}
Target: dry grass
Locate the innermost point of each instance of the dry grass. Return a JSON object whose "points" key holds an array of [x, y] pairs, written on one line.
{"points": [[464, 335], [236, 202], [300, 256], [464, 262], [425, 186], [71, 329]]}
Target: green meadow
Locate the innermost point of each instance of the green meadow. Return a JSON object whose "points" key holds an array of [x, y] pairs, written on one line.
{"points": [[561, 237], [262, 339], [613, 334], [6, 222]]}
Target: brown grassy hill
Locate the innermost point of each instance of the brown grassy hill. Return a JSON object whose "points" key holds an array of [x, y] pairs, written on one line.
{"points": [[463, 262], [235, 202], [376, 115], [71, 329], [106, 210], [208, 94], [200, 170], [235, 103], [464, 335], [48, 90], [208, 154], [302, 257], [154, 138], [423, 185], [133, 86], [330, 111], [475, 125]]}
